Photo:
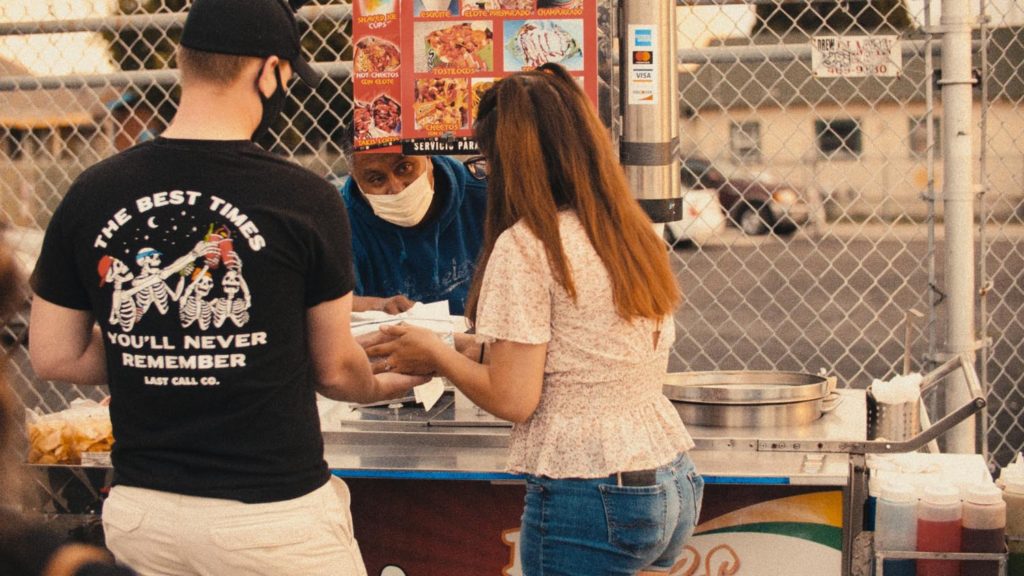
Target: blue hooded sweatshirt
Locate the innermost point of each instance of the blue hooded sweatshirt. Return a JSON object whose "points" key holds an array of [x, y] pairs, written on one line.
{"points": [[431, 261]]}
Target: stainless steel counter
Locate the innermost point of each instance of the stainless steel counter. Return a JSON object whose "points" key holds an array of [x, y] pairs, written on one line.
{"points": [[460, 442]]}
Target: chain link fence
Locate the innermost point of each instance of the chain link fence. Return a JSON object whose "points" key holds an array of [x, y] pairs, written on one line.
{"points": [[864, 154], [830, 186]]}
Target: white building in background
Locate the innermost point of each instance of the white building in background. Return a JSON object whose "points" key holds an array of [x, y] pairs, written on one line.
{"points": [[864, 140]]}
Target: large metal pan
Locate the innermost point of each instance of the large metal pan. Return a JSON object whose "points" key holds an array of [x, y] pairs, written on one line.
{"points": [[750, 398]]}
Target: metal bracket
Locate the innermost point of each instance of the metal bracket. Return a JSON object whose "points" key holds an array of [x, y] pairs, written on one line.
{"points": [[963, 361]]}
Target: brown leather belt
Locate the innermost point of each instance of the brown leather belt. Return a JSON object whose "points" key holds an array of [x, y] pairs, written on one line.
{"points": [[636, 478]]}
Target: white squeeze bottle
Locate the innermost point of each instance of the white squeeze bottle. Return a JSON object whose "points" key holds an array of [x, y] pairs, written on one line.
{"points": [[1014, 469], [1013, 495], [896, 525]]}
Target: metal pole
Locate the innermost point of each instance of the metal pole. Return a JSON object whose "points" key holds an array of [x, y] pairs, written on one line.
{"points": [[648, 149], [140, 22], [958, 202], [783, 53]]}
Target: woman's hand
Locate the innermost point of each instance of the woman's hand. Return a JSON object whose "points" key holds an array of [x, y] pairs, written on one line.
{"points": [[406, 349]]}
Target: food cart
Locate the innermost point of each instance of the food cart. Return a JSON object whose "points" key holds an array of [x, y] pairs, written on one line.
{"points": [[429, 495]]}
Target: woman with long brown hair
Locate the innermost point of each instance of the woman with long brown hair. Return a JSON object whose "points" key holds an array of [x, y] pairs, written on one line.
{"points": [[574, 299]]}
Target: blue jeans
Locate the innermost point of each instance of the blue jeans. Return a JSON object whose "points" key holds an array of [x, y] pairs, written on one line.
{"points": [[592, 526]]}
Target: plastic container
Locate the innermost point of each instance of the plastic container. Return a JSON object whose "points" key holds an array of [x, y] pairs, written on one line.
{"points": [[1013, 495], [896, 526], [939, 515], [984, 527]]}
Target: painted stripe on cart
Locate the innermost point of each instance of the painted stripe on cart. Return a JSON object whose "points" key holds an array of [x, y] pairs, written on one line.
{"points": [[437, 475], [758, 480], [426, 475]]}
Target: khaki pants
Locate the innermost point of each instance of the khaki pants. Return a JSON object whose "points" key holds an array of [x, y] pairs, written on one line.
{"points": [[161, 533]]}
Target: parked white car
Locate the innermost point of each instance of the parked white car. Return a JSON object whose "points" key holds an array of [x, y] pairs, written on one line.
{"points": [[702, 220]]}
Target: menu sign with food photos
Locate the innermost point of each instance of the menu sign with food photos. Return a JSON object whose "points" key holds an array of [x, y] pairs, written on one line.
{"points": [[420, 66]]}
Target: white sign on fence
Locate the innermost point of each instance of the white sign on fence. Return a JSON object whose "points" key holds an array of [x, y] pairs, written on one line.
{"points": [[847, 56]]}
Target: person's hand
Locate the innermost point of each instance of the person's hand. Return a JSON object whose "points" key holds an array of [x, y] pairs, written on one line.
{"points": [[395, 385], [407, 349], [396, 304], [371, 339], [393, 305]]}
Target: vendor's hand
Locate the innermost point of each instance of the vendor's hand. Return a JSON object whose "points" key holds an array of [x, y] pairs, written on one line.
{"points": [[396, 304], [393, 305], [409, 350]]}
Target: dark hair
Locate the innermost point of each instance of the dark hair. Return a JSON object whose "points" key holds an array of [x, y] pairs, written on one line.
{"points": [[211, 67], [547, 151]]}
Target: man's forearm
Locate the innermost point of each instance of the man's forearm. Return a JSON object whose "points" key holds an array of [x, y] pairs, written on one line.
{"points": [[355, 382], [66, 344], [87, 369]]}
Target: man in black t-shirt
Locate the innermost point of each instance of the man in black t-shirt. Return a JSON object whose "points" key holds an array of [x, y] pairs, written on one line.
{"points": [[210, 284]]}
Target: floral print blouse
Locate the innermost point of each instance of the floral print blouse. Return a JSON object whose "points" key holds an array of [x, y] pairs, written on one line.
{"points": [[601, 408]]}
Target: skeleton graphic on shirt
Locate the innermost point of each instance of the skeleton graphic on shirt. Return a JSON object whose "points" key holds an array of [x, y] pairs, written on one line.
{"points": [[149, 289], [194, 308], [153, 290], [123, 311], [231, 307]]}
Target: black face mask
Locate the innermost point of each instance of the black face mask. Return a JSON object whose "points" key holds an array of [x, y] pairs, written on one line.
{"points": [[272, 106]]}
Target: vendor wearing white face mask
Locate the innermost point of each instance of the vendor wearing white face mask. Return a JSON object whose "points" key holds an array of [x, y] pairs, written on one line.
{"points": [[417, 227]]}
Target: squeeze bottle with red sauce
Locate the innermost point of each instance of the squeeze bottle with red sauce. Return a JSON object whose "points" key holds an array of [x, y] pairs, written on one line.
{"points": [[939, 516], [984, 527]]}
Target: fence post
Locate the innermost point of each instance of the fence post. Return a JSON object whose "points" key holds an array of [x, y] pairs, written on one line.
{"points": [[958, 202]]}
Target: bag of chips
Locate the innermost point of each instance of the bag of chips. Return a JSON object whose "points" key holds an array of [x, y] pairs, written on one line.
{"points": [[62, 437]]}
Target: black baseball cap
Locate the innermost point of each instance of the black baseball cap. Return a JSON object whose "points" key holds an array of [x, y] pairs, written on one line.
{"points": [[248, 28]]}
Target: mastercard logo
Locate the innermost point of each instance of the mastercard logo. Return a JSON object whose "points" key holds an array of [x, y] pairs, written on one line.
{"points": [[643, 57]]}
